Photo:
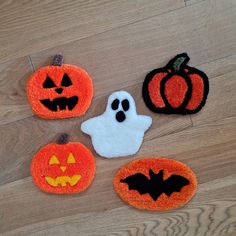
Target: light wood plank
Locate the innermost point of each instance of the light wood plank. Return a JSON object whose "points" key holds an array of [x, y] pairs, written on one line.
{"points": [[13, 101], [127, 61], [124, 56], [14, 104], [121, 46], [219, 67], [207, 149], [191, 2], [210, 218], [221, 102], [49, 23], [15, 164]]}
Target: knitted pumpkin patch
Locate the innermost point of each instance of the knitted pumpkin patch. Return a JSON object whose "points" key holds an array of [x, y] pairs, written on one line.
{"points": [[176, 88], [156, 184], [60, 90], [63, 167]]}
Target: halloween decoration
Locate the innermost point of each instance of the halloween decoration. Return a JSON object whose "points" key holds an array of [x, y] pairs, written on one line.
{"points": [[60, 90], [156, 184], [119, 131], [63, 167], [176, 88], [144, 185]]}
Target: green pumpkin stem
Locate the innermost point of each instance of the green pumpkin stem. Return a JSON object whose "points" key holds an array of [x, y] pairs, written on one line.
{"points": [[63, 138], [178, 62], [58, 60]]}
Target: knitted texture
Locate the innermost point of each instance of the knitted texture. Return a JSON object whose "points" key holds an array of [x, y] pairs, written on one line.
{"points": [[119, 131], [176, 88], [63, 168], [56, 92], [156, 184]]}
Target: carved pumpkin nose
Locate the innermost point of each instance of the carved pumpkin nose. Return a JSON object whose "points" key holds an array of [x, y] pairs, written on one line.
{"points": [[63, 168], [59, 90]]}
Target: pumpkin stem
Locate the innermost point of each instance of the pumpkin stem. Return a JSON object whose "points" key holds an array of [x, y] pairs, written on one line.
{"points": [[63, 138], [178, 62], [57, 60]]}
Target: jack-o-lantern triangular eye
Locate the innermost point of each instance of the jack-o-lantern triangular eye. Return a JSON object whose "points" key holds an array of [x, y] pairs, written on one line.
{"points": [[66, 81], [53, 160], [48, 83], [71, 159]]}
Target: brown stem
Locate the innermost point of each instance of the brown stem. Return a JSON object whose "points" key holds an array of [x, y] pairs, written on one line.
{"points": [[63, 138], [178, 62], [57, 60]]}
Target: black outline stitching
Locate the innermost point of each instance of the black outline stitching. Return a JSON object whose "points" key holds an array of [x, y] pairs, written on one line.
{"points": [[168, 109]]}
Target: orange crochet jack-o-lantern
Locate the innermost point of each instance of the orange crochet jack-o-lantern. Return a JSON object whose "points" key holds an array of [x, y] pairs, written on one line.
{"points": [[60, 90], [63, 167], [176, 88], [156, 184]]}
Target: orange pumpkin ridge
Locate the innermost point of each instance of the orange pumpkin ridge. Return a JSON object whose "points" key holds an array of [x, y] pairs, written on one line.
{"points": [[156, 184], [60, 90], [176, 88], [63, 167]]}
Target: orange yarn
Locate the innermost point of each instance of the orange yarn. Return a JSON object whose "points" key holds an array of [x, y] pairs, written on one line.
{"points": [[175, 90], [78, 92], [63, 168], [154, 89], [163, 202], [197, 91]]}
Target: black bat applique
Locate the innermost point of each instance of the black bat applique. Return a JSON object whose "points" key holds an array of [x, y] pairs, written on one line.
{"points": [[155, 186]]}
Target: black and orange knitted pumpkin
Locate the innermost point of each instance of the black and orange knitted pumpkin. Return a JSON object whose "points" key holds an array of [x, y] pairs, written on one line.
{"points": [[176, 88], [60, 90]]}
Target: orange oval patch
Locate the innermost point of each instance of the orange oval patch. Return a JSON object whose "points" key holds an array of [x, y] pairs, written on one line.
{"points": [[156, 184], [63, 168]]}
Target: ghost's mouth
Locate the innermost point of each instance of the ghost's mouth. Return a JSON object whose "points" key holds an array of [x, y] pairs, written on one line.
{"points": [[63, 180], [120, 116], [61, 103]]}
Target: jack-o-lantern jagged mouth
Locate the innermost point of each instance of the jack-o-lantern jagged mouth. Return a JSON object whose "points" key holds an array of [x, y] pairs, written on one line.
{"points": [[61, 103], [63, 180]]}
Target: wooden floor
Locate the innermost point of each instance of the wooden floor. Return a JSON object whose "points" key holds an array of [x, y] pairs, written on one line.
{"points": [[118, 42]]}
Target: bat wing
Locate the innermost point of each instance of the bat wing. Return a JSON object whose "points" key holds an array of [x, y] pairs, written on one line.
{"points": [[174, 184], [137, 182]]}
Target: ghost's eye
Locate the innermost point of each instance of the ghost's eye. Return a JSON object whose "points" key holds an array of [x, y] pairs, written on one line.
{"points": [[115, 104], [125, 105]]}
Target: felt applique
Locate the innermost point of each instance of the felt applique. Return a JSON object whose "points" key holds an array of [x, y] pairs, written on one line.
{"points": [[60, 90], [176, 88], [156, 184], [119, 131], [63, 167]]}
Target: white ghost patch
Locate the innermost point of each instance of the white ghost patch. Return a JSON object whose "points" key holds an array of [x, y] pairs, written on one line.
{"points": [[119, 131]]}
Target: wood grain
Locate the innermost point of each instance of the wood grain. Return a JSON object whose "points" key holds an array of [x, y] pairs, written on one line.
{"points": [[220, 108], [13, 101], [191, 2], [50, 22], [118, 42], [122, 57]]}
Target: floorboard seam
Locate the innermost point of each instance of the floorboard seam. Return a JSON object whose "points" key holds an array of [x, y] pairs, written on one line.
{"points": [[31, 63], [97, 34]]}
